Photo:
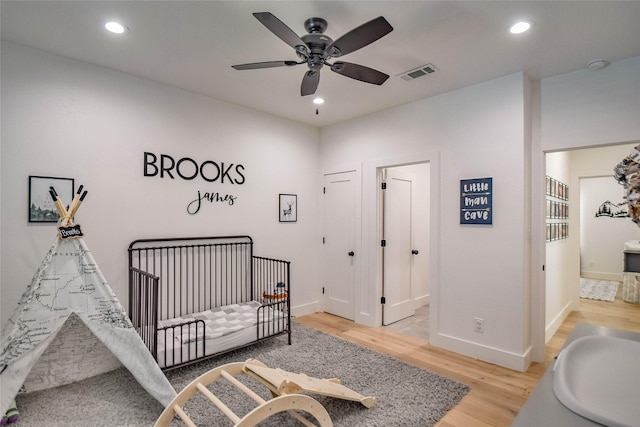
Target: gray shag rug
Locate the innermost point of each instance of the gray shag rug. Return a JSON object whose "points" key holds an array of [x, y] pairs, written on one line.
{"points": [[406, 395]]}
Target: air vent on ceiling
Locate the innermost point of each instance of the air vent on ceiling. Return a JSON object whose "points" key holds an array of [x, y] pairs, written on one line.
{"points": [[418, 72]]}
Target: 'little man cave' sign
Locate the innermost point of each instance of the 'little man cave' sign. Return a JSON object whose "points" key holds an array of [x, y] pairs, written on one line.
{"points": [[476, 198]]}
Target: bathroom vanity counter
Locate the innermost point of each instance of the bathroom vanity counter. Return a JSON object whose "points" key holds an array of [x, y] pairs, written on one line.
{"points": [[543, 408]]}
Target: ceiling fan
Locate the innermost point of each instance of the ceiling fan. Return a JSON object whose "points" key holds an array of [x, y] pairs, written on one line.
{"points": [[315, 49]]}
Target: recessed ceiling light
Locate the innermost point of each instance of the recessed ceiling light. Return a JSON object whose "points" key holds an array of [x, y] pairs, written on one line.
{"points": [[116, 27], [597, 64], [318, 101], [521, 26]]}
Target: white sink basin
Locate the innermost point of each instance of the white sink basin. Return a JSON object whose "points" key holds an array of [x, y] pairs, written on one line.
{"points": [[598, 377]]}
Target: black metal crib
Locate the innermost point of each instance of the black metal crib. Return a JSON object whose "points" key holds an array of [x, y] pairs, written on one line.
{"points": [[198, 297]]}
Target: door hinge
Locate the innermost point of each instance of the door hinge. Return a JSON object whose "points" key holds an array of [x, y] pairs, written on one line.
{"points": [[383, 300], [384, 186], [323, 290], [323, 240], [324, 190], [383, 243], [542, 267]]}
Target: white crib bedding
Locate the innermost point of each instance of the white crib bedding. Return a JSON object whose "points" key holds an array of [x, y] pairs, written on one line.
{"points": [[225, 328]]}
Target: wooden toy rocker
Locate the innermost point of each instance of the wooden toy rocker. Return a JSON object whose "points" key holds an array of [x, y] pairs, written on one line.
{"points": [[285, 388]]}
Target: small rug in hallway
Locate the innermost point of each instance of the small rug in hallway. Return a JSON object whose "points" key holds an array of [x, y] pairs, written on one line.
{"points": [[407, 396], [602, 290]]}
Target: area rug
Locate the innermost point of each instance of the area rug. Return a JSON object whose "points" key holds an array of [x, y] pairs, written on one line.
{"points": [[406, 395], [602, 290]]}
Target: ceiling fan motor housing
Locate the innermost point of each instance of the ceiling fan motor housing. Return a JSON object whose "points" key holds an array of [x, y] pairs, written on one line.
{"points": [[317, 44], [315, 25]]}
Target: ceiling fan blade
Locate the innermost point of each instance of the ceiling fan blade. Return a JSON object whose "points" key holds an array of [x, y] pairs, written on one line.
{"points": [[310, 83], [269, 64], [360, 72], [360, 37], [281, 30]]}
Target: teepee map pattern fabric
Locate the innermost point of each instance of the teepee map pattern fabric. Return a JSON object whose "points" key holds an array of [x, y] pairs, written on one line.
{"points": [[66, 309]]}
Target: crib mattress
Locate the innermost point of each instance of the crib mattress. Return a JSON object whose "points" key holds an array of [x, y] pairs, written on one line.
{"points": [[225, 328]]}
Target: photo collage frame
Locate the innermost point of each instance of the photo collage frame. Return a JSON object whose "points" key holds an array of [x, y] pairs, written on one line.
{"points": [[557, 224]]}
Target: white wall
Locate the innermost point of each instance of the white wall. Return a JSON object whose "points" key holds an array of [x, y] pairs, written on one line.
{"points": [[562, 286], [591, 108], [578, 110], [601, 239], [65, 118], [478, 270], [457, 133]]}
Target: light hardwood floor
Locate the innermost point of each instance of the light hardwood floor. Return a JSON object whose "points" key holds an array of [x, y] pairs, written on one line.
{"points": [[497, 393]]}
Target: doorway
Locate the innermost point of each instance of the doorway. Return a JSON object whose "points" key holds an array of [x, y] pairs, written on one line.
{"points": [[404, 223], [563, 263]]}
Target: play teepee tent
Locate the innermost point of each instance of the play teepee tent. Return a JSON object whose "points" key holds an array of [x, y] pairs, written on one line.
{"points": [[69, 324]]}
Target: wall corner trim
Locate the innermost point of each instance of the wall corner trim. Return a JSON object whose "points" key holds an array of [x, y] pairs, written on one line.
{"points": [[553, 326], [507, 359], [304, 309]]}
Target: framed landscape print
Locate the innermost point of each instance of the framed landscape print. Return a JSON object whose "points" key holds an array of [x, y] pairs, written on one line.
{"points": [[41, 206]]}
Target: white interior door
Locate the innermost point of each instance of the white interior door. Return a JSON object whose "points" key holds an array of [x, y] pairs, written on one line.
{"points": [[398, 251], [340, 257]]}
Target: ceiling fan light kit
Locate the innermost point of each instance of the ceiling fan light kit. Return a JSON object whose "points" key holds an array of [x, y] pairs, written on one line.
{"points": [[315, 49]]}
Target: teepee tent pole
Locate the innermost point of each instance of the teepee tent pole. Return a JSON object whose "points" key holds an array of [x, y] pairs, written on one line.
{"points": [[75, 204]]}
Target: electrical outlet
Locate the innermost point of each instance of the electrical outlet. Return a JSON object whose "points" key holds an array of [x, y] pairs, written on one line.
{"points": [[478, 324]]}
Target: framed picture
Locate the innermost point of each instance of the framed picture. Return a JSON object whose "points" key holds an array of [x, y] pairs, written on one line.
{"points": [[476, 201], [41, 206], [288, 208]]}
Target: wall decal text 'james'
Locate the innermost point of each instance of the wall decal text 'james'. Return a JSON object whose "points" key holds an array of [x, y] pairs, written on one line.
{"points": [[212, 198], [188, 169]]}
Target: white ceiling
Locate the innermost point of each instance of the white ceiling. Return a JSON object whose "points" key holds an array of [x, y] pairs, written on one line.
{"points": [[192, 45]]}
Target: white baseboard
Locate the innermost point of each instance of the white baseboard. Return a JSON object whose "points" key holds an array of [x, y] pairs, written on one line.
{"points": [[421, 301], [304, 309], [518, 362], [553, 326], [599, 275]]}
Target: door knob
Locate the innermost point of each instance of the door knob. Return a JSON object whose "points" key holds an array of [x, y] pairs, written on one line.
{"points": [[351, 253], [414, 252]]}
